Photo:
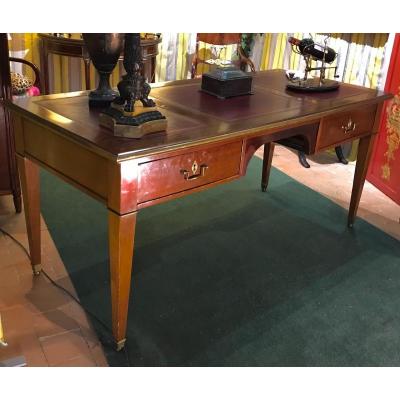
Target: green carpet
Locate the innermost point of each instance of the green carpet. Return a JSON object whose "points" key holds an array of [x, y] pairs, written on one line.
{"points": [[236, 277]]}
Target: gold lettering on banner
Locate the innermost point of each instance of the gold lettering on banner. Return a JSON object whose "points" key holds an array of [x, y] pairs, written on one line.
{"points": [[393, 135]]}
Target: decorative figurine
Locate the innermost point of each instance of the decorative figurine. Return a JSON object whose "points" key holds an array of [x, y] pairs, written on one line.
{"points": [[104, 50], [132, 114]]}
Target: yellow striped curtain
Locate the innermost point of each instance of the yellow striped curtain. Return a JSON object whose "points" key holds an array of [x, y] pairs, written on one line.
{"points": [[176, 53], [360, 61]]}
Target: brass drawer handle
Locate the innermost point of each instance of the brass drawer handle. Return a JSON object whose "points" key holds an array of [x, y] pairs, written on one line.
{"points": [[349, 127], [188, 177]]}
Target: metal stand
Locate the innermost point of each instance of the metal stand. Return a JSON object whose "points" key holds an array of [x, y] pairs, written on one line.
{"points": [[2, 340], [340, 156], [11, 362], [339, 153], [320, 84], [14, 362], [303, 160]]}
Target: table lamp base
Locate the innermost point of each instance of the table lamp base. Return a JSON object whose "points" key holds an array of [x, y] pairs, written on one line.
{"points": [[313, 85], [142, 121]]}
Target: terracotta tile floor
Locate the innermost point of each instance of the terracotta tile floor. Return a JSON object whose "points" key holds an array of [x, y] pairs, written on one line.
{"points": [[40, 322], [49, 329], [335, 180]]}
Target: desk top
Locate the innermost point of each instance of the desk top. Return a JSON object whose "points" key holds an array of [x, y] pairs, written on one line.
{"points": [[193, 116]]}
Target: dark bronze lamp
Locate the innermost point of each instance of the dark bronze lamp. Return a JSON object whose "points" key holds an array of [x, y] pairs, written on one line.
{"points": [[104, 50], [132, 114]]}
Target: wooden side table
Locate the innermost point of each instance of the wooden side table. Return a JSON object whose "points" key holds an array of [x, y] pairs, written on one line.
{"points": [[63, 46]]}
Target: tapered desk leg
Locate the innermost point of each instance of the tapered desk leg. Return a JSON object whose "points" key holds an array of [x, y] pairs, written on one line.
{"points": [[30, 185], [364, 155], [267, 162], [121, 234]]}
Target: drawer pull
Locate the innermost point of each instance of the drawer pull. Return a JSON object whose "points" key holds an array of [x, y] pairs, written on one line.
{"points": [[349, 127], [188, 177]]}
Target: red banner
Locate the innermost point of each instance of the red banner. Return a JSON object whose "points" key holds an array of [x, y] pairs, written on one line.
{"points": [[384, 171]]}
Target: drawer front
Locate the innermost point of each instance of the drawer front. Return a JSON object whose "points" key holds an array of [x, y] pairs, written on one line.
{"points": [[346, 126], [183, 172]]}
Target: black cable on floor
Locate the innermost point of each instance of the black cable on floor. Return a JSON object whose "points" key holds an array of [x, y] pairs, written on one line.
{"points": [[16, 241], [104, 341]]}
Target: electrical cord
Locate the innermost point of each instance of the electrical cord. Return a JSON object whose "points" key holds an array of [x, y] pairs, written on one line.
{"points": [[104, 341]]}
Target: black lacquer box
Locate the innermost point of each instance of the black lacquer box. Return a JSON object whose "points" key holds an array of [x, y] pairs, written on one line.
{"points": [[226, 82]]}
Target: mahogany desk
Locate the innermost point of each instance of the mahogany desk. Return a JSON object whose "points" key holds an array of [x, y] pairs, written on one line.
{"points": [[208, 142]]}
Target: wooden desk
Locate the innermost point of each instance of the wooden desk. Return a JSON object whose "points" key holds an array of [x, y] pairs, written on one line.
{"points": [[63, 46], [208, 142]]}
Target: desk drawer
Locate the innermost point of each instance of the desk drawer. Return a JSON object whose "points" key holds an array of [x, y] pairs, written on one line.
{"points": [[345, 126], [183, 172]]}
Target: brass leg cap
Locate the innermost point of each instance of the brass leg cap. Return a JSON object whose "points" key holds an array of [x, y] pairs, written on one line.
{"points": [[120, 345], [36, 269], [350, 222]]}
